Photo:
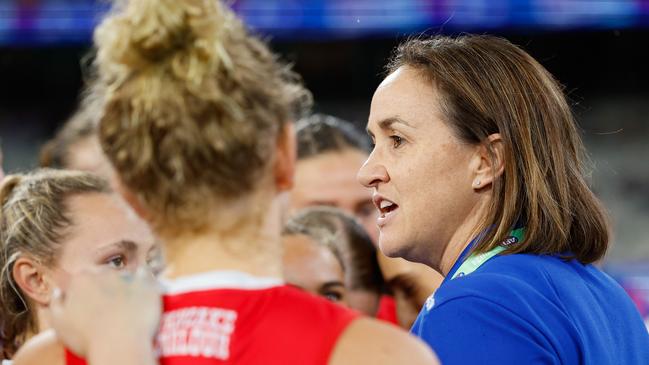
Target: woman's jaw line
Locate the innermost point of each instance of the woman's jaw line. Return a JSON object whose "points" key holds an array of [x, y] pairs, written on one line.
{"points": [[439, 255]]}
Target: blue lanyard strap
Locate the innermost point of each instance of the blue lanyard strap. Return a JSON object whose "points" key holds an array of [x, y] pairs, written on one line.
{"points": [[476, 260]]}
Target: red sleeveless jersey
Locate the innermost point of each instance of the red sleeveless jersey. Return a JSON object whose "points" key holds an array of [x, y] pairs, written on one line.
{"points": [[234, 318], [387, 310]]}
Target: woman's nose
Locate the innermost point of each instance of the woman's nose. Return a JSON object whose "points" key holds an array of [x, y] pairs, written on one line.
{"points": [[372, 173]]}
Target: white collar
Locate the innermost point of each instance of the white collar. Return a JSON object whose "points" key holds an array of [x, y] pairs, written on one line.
{"points": [[219, 280]]}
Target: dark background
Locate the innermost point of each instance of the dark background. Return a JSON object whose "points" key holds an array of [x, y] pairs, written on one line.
{"points": [[604, 69]]}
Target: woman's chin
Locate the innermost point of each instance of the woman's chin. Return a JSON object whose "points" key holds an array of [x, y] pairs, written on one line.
{"points": [[392, 248]]}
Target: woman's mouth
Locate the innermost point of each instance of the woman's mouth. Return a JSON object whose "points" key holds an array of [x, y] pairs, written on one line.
{"points": [[386, 209]]}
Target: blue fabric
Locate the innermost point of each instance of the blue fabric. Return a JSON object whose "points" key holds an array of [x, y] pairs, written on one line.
{"points": [[530, 309]]}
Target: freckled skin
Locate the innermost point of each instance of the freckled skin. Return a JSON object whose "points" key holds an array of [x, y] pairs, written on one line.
{"points": [[425, 171]]}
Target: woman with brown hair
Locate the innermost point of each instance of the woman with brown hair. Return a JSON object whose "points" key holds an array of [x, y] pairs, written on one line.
{"points": [[477, 172], [323, 254], [54, 224], [316, 252], [335, 147], [197, 124], [332, 146]]}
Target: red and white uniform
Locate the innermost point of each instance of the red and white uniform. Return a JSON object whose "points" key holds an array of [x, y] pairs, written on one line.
{"points": [[230, 317]]}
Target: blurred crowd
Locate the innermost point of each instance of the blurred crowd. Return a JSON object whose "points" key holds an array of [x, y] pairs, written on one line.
{"points": [[195, 202]]}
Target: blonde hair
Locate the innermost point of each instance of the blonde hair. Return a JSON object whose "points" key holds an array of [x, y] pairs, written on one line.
{"points": [[33, 222], [488, 85], [193, 105]]}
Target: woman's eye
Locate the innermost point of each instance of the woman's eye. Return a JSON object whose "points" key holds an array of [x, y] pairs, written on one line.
{"points": [[396, 141], [117, 262], [333, 296]]}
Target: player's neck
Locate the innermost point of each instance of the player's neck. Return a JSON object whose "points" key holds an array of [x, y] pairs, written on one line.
{"points": [[253, 247], [204, 254]]}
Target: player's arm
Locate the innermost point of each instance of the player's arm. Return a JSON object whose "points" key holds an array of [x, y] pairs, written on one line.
{"points": [[367, 341]]}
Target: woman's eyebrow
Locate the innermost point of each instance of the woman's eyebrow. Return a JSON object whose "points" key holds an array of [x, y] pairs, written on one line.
{"points": [[332, 284], [126, 245], [388, 122]]}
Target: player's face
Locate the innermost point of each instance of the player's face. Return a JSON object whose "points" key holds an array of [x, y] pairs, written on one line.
{"points": [[313, 267], [419, 170], [330, 179], [86, 155], [105, 234]]}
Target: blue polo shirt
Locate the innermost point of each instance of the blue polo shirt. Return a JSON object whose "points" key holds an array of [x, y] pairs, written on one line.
{"points": [[532, 309]]}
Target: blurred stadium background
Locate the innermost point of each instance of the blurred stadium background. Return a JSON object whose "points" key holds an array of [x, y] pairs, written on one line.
{"points": [[599, 49]]}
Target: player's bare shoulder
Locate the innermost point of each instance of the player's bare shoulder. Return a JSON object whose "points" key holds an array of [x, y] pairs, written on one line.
{"points": [[42, 349], [373, 342]]}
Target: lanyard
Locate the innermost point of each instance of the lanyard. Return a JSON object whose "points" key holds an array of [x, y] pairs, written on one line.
{"points": [[475, 261]]}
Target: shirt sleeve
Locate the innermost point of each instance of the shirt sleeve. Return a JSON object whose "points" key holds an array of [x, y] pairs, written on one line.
{"points": [[475, 330]]}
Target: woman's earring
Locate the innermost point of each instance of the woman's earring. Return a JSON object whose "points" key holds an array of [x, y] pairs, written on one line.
{"points": [[477, 184]]}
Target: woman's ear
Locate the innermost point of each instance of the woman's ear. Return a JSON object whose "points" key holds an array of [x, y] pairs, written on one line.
{"points": [[489, 162], [32, 280], [285, 158]]}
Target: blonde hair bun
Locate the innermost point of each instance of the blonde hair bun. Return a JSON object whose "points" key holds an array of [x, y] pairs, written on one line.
{"points": [[184, 33], [192, 104]]}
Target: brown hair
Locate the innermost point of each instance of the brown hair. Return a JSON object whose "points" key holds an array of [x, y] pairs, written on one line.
{"points": [[320, 133], [487, 85], [193, 105], [33, 222], [333, 228]]}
